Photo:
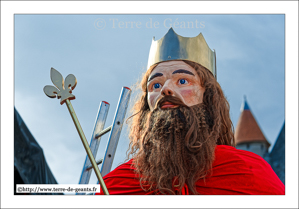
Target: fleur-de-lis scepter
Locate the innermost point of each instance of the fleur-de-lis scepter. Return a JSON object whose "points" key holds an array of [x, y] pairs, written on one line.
{"points": [[64, 92]]}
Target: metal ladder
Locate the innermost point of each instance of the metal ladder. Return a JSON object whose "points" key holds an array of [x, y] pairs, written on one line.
{"points": [[98, 132]]}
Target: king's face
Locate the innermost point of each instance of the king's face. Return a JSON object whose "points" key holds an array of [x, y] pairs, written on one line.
{"points": [[174, 78]]}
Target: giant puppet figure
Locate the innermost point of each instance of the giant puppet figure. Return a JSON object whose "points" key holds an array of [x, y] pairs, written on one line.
{"points": [[181, 135]]}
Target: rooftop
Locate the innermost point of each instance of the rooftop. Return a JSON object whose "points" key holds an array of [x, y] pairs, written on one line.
{"points": [[247, 129]]}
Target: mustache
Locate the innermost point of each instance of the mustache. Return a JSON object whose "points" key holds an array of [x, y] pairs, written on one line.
{"points": [[172, 99]]}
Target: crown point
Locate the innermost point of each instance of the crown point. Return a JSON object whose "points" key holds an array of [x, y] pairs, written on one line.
{"points": [[200, 34], [171, 30]]}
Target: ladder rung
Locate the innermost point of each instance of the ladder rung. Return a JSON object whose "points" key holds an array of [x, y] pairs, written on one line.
{"points": [[98, 163], [106, 130]]}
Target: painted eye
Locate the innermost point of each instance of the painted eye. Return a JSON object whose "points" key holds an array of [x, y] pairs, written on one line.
{"points": [[183, 81], [156, 86]]}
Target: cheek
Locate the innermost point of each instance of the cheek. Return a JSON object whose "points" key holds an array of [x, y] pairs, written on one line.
{"points": [[188, 95], [191, 96], [151, 98]]}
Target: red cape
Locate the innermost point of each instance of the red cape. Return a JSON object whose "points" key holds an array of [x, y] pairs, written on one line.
{"points": [[235, 172]]}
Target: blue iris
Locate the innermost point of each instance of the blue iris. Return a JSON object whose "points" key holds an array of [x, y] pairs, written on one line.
{"points": [[182, 81], [156, 85]]}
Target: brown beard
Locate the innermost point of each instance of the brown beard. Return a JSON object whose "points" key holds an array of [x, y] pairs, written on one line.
{"points": [[175, 148]]}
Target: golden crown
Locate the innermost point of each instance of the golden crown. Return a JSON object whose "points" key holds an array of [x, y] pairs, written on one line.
{"points": [[175, 47]]}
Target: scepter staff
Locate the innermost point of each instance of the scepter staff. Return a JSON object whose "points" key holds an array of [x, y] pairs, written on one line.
{"points": [[64, 92]]}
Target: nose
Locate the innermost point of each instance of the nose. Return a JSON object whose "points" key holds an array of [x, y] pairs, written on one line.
{"points": [[167, 89]]}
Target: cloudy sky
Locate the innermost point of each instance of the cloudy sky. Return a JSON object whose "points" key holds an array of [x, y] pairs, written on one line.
{"points": [[108, 51]]}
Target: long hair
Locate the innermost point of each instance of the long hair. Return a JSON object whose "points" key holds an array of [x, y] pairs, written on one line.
{"points": [[216, 107]]}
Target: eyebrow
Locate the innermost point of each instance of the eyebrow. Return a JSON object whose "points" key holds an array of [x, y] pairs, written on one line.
{"points": [[174, 72], [154, 76], [183, 71]]}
